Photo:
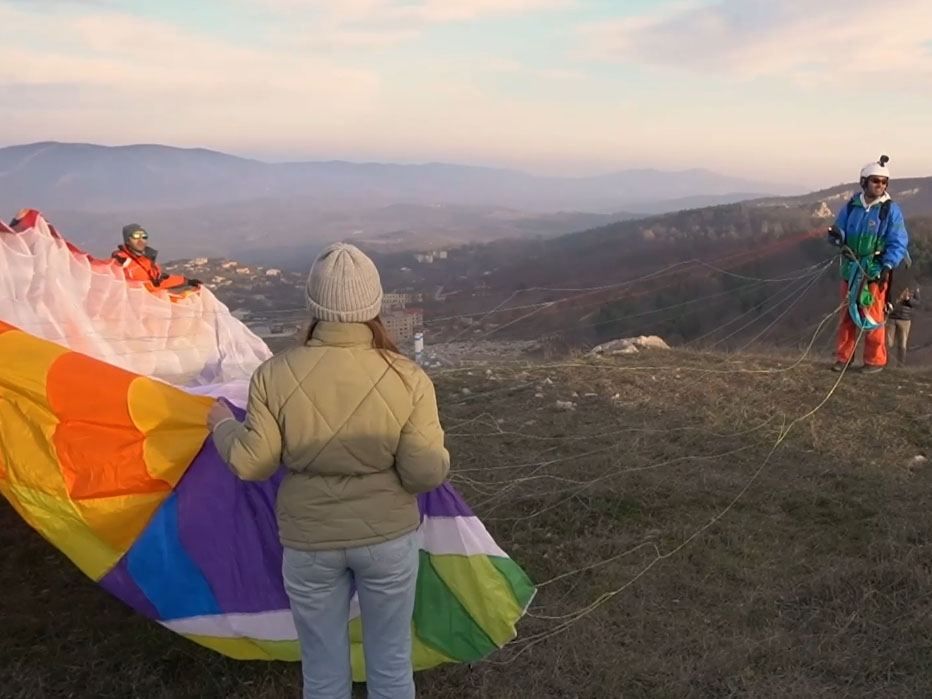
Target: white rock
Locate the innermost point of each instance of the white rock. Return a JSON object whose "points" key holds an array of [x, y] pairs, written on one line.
{"points": [[566, 405], [630, 349], [630, 345]]}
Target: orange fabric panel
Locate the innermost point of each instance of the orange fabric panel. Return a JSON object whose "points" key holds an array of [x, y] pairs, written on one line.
{"points": [[100, 449]]}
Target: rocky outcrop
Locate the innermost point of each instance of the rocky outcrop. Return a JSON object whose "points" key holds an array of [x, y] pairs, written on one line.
{"points": [[630, 345]]}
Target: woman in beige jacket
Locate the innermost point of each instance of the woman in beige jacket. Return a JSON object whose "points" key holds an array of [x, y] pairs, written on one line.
{"points": [[356, 426]]}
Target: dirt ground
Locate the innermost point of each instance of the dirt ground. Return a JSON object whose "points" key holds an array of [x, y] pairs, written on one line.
{"points": [[700, 526]]}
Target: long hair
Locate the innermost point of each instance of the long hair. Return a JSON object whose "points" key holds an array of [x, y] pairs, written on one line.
{"points": [[381, 341]]}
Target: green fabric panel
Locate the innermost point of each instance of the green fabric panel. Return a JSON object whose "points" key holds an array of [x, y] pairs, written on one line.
{"points": [[484, 593], [423, 657], [521, 584], [440, 619]]}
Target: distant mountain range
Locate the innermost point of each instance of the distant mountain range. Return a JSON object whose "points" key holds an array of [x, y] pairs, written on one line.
{"points": [[273, 232], [87, 176], [198, 202]]}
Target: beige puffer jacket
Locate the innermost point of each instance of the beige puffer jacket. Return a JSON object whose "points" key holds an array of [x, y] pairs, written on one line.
{"points": [[359, 439]]}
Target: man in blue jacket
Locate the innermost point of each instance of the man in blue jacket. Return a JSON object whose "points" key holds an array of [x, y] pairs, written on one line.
{"points": [[872, 229]]}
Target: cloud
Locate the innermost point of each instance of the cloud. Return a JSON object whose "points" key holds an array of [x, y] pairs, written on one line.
{"points": [[130, 77], [433, 11], [380, 23], [810, 43], [419, 11], [507, 66], [135, 55]]}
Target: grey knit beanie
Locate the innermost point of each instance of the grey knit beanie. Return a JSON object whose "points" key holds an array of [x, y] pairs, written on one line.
{"points": [[343, 286]]}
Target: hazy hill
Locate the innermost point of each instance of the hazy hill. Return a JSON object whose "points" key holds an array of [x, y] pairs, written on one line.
{"points": [[276, 232], [914, 194], [85, 176], [755, 272]]}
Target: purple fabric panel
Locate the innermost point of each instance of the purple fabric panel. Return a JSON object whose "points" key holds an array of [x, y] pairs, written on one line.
{"points": [[443, 502], [229, 529], [119, 583]]}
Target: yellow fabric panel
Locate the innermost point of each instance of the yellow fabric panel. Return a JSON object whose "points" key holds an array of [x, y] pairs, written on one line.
{"points": [[26, 431], [249, 649], [483, 591], [58, 521], [120, 520], [357, 657], [236, 648], [175, 425], [26, 360], [3, 472], [423, 657], [281, 650]]}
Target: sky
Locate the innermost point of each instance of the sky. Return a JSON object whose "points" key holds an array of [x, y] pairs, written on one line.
{"points": [[776, 90]]}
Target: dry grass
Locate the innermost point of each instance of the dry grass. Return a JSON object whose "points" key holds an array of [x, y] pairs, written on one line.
{"points": [[814, 583]]}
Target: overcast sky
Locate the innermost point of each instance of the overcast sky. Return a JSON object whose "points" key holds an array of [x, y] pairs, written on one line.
{"points": [[780, 90]]}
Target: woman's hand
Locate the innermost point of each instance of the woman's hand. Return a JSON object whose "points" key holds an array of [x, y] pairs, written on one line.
{"points": [[219, 412]]}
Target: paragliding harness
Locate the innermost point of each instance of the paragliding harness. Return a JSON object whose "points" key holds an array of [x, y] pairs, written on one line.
{"points": [[156, 276], [863, 271]]}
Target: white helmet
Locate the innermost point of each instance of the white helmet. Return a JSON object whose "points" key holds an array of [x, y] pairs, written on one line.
{"points": [[876, 169]]}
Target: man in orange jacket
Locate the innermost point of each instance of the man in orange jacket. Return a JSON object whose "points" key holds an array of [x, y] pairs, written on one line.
{"points": [[138, 262]]}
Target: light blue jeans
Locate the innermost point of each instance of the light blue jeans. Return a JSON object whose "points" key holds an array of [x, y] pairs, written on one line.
{"points": [[319, 586]]}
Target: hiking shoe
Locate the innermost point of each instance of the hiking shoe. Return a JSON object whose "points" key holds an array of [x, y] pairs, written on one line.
{"points": [[872, 369], [839, 366]]}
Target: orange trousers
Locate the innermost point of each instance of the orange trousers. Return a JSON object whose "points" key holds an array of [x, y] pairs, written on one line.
{"points": [[875, 345]]}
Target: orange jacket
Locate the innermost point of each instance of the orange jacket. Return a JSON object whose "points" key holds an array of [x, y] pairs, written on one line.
{"points": [[144, 268]]}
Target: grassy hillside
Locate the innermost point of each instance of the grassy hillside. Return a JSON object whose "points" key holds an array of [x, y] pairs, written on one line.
{"points": [[760, 274], [700, 524]]}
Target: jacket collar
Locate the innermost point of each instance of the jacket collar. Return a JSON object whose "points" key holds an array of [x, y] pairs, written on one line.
{"points": [[151, 253], [341, 334], [880, 200]]}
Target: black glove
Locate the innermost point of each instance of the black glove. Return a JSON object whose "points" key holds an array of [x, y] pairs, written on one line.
{"points": [[884, 277], [195, 282], [836, 236]]}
